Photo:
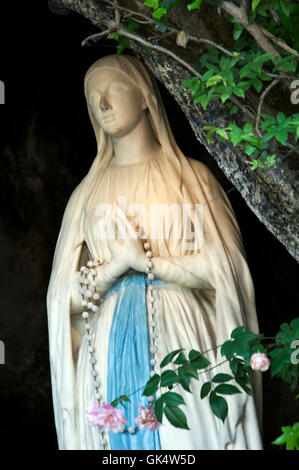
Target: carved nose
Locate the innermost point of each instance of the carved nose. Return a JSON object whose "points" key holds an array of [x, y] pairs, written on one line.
{"points": [[104, 104]]}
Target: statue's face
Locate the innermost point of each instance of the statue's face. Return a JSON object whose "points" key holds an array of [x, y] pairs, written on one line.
{"points": [[116, 103]]}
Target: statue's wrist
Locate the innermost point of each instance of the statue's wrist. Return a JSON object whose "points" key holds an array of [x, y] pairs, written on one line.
{"points": [[115, 269]]}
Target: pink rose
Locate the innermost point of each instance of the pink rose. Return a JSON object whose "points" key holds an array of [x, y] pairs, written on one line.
{"points": [[106, 416], [259, 361], [147, 418]]}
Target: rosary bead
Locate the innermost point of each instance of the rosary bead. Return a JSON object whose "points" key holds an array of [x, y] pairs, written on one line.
{"points": [[94, 373], [152, 373], [149, 254], [153, 323], [94, 308], [154, 335], [83, 303], [89, 305], [153, 362], [89, 337], [103, 442], [88, 294], [151, 398], [151, 299], [132, 430], [92, 360], [151, 276], [146, 246], [85, 315], [153, 349], [93, 272], [89, 264], [96, 296], [150, 264], [90, 349], [151, 311], [150, 287], [87, 326], [147, 270]]}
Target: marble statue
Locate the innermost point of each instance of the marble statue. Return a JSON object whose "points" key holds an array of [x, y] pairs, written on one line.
{"points": [[202, 284]]}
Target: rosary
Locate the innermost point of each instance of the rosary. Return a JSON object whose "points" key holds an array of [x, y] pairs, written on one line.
{"points": [[90, 303]]}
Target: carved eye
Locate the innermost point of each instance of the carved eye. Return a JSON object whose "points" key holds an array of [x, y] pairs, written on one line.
{"points": [[116, 87]]}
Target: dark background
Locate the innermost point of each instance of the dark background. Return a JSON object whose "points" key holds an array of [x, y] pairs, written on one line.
{"points": [[46, 147]]}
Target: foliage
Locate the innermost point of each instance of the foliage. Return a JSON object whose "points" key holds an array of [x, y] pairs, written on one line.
{"points": [[237, 352], [229, 76], [289, 437]]}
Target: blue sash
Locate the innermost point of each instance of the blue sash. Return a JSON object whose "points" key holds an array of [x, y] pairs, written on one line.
{"points": [[129, 358]]}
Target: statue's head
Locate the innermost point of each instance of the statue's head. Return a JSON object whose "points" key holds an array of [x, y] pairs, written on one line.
{"points": [[116, 103], [119, 92]]}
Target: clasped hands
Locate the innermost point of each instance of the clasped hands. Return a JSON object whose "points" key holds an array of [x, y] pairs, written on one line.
{"points": [[126, 252]]}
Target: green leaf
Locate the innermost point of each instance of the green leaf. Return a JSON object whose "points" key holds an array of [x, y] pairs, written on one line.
{"points": [[172, 399], [189, 83], [256, 164], [120, 400], [184, 379], [248, 127], [282, 136], [167, 359], [249, 150], [133, 25], [238, 92], [176, 417], [201, 363], [218, 406], [158, 409], [197, 360], [254, 4], [258, 84], [227, 389], [195, 4], [214, 80], [238, 30], [219, 378], [281, 118], [159, 13], [168, 377], [225, 95], [260, 58], [152, 3], [233, 110], [191, 371], [203, 100], [193, 355], [180, 359], [285, 7], [270, 160], [205, 389], [113, 36], [152, 385]]}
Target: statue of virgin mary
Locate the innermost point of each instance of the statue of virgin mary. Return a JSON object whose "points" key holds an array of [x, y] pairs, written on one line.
{"points": [[203, 287]]}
